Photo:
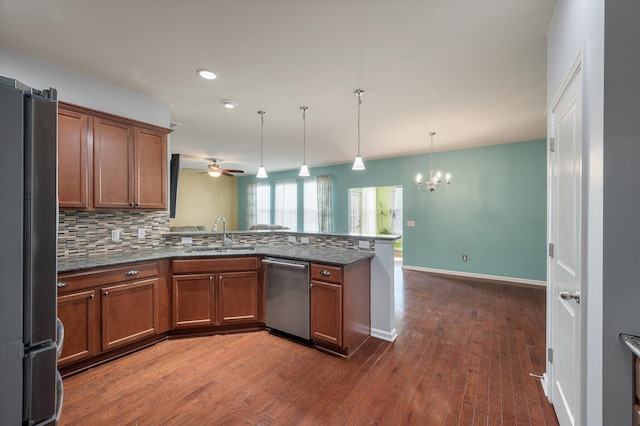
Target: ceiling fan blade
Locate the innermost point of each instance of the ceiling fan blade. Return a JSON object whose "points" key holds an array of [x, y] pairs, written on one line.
{"points": [[226, 174], [232, 171]]}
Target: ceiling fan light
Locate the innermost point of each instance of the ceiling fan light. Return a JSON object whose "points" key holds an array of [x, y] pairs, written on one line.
{"points": [[214, 174], [304, 171], [207, 74], [358, 164], [229, 104], [262, 173]]}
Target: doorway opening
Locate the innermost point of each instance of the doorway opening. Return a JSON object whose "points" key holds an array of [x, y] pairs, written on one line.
{"points": [[377, 211]]}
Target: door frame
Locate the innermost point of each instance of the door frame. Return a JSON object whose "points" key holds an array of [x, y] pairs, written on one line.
{"points": [[578, 65]]}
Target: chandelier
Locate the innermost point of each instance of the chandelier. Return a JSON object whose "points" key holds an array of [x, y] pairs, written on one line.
{"points": [[435, 178]]}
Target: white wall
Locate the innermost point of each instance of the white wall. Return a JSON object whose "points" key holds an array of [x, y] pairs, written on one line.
{"points": [[83, 90], [576, 25]]}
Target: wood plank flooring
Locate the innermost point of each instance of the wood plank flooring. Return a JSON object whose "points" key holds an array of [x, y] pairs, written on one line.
{"points": [[463, 357]]}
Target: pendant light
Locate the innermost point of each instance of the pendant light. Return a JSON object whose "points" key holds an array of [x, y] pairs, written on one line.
{"points": [[262, 173], [304, 170], [358, 164]]}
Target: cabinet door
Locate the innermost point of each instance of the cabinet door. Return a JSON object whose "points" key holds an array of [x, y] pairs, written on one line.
{"points": [[326, 312], [113, 164], [79, 315], [193, 301], [73, 160], [238, 297], [129, 312], [150, 170]]}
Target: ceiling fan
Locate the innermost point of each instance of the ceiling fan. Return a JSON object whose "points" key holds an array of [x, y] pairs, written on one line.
{"points": [[215, 170]]}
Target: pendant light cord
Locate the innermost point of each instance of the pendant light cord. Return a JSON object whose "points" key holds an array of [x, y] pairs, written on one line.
{"points": [[432, 133], [261, 132], [304, 134], [358, 94]]}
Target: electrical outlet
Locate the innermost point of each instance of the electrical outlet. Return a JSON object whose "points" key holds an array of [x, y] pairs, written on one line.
{"points": [[115, 235], [304, 240], [186, 240], [141, 233], [464, 257], [411, 223], [292, 239], [364, 244]]}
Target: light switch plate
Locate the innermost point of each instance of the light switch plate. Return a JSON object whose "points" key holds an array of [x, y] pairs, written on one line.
{"points": [[187, 240], [304, 240], [364, 244], [292, 239], [115, 235], [411, 223], [141, 232]]}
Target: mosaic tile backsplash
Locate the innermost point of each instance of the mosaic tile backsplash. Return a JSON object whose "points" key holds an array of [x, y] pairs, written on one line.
{"points": [[89, 233]]}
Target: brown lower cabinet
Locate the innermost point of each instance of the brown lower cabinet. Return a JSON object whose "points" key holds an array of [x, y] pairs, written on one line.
{"points": [[340, 306], [214, 292], [107, 308]]}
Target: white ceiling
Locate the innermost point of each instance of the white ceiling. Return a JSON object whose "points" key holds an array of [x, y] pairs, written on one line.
{"points": [[473, 71]]}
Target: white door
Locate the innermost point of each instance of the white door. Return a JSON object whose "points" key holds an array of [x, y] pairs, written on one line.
{"points": [[565, 264], [355, 209]]}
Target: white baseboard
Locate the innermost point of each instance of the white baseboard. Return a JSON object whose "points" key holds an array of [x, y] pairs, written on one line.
{"points": [[389, 336], [477, 276], [545, 385]]}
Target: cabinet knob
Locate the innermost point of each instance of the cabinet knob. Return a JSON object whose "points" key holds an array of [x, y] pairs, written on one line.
{"points": [[91, 296], [131, 204], [137, 204], [62, 284], [106, 293], [131, 273], [310, 284], [325, 272]]}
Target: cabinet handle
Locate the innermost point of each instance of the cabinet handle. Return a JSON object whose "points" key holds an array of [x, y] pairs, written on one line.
{"points": [[130, 273], [131, 204], [310, 284], [325, 272], [137, 204], [106, 293], [91, 296], [62, 284]]}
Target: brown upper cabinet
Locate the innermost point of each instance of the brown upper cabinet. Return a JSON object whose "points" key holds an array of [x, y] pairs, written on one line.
{"points": [[109, 162]]}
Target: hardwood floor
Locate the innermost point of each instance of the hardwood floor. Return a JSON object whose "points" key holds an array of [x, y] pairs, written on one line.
{"points": [[463, 357]]}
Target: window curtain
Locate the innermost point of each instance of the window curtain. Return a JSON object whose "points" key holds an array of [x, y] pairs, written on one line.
{"points": [[252, 201], [287, 204], [324, 203]]}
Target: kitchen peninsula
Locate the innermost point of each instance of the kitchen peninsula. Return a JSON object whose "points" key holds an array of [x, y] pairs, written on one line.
{"points": [[121, 301]]}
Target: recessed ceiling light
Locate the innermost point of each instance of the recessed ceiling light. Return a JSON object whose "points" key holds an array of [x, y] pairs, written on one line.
{"points": [[227, 103], [209, 75]]}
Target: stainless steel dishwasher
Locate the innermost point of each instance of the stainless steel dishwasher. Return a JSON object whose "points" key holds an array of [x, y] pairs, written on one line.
{"points": [[287, 296]]}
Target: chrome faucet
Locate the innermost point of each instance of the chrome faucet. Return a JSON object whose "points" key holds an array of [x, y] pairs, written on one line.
{"points": [[225, 241]]}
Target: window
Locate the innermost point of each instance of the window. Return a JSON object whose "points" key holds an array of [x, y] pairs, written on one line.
{"points": [[286, 204], [311, 205], [263, 203]]}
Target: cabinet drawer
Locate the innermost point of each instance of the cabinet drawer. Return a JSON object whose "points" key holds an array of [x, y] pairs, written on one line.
{"points": [[327, 273], [97, 277], [232, 264]]}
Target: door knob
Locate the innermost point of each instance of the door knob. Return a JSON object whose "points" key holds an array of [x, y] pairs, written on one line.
{"points": [[567, 295]]}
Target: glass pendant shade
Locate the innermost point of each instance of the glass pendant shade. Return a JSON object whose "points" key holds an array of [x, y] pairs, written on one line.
{"points": [[358, 164], [262, 173], [304, 171]]}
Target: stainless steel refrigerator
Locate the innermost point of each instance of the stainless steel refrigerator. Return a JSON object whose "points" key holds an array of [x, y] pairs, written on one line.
{"points": [[30, 335]]}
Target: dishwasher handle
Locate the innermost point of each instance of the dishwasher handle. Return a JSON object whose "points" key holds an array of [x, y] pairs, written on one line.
{"points": [[285, 264]]}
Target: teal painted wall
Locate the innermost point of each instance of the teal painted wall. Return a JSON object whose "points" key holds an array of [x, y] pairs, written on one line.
{"points": [[494, 211]]}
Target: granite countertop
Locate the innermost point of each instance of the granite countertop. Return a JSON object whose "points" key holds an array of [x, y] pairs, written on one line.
{"points": [[328, 255], [391, 237], [632, 342]]}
